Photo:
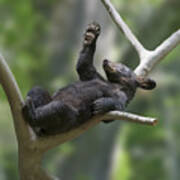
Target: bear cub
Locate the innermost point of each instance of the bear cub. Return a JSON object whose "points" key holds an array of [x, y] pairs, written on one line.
{"points": [[91, 95]]}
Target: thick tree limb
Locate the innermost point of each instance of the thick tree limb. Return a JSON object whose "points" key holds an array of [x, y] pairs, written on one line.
{"points": [[29, 155], [15, 99], [52, 141], [148, 59]]}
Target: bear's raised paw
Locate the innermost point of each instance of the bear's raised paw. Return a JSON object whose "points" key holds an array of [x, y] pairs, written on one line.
{"points": [[91, 34]]}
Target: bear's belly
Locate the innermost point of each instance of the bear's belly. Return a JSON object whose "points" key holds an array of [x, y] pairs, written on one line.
{"points": [[78, 97], [81, 93]]}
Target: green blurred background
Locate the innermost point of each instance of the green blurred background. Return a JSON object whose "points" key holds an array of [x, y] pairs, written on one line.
{"points": [[41, 39]]}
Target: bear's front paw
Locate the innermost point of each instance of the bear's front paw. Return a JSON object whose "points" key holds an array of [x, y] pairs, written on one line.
{"points": [[98, 107], [91, 33]]}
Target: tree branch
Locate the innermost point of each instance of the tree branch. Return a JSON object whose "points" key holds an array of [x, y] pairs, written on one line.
{"points": [[125, 116], [15, 99], [148, 59], [49, 142], [168, 45], [124, 27], [154, 57], [29, 155]]}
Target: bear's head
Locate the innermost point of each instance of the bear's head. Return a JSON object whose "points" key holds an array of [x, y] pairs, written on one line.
{"points": [[121, 74]]}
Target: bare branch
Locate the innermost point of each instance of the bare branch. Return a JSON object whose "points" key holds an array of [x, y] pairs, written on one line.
{"points": [[168, 45], [154, 57], [29, 168], [148, 59], [126, 116], [124, 27], [15, 99], [49, 142]]}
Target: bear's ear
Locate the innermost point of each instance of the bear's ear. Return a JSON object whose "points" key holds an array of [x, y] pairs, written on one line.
{"points": [[145, 83]]}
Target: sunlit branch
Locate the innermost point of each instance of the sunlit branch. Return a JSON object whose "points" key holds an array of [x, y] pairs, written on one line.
{"points": [[15, 99], [123, 27], [148, 59], [29, 169], [154, 57], [126, 116]]}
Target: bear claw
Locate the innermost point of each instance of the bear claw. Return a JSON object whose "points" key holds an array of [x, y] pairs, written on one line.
{"points": [[91, 33]]}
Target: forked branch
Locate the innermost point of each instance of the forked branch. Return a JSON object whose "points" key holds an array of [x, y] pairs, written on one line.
{"points": [[148, 59], [117, 19]]}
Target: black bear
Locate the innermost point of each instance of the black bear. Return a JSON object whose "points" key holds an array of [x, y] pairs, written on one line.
{"points": [[92, 94]]}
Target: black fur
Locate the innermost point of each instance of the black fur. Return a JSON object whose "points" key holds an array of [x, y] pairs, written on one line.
{"points": [[92, 94]]}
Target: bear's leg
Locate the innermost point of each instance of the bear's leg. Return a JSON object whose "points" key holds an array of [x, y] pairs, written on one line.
{"points": [[36, 97], [39, 96], [103, 105], [52, 118], [85, 67]]}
